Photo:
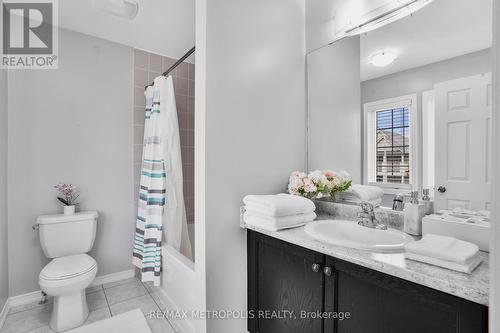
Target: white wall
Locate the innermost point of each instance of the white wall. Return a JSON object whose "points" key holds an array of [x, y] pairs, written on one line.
{"points": [[200, 162], [320, 22], [494, 314], [73, 124], [254, 115], [4, 271], [334, 120]]}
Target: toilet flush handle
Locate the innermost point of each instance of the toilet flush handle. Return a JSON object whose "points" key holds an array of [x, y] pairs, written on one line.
{"points": [[35, 226]]}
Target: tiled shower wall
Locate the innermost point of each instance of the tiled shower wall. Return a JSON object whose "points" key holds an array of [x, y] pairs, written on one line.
{"points": [[147, 66]]}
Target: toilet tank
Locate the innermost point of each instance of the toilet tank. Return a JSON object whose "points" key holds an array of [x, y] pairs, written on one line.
{"points": [[64, 235]]}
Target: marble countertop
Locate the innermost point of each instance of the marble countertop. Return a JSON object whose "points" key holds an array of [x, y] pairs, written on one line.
{"points": [[473, 287]]}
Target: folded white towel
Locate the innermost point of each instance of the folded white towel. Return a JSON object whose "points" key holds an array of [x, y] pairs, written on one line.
{"points": [[363, 193], [277, 223], [444, 248], [278, 205], [464, 268]]}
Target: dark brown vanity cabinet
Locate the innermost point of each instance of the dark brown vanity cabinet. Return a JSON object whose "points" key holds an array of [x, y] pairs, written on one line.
{"points": [[296, 290], [281, 284]]}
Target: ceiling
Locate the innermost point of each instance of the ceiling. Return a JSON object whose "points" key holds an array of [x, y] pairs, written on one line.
{"points": [[444, 29], [165, 27]]}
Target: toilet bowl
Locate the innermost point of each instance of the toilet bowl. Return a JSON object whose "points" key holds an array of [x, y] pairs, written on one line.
{"points": [[66, 278], [66, 239]]}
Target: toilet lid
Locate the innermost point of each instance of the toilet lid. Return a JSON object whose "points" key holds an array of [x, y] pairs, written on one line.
{"points": [[68, 267]]}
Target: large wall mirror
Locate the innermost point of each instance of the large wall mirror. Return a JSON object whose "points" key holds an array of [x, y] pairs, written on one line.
{"points": [[407, 106]]}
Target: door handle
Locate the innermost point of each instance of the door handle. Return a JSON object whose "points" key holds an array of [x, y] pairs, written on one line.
{"points": [[316, 268], [441, 189], [328, 271]]}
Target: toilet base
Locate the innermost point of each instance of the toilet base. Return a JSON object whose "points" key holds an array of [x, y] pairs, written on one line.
{"points": [[69, 311]]}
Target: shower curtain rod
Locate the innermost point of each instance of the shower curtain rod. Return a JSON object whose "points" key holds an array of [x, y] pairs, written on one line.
{"points": [[177, 63]]}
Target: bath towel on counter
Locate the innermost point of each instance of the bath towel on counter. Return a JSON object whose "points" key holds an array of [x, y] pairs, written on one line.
{"points": [[447, 252], [277, 223], [443, 248], [278, 205], [464, 268]]}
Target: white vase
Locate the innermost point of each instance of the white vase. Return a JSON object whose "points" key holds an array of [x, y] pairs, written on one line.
{"points": [[69, 210]]}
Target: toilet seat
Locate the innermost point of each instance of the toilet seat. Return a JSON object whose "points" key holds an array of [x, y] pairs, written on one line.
{"points": [[68, 274], [68, 267]]}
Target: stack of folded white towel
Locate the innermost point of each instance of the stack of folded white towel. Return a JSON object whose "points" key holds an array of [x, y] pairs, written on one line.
{"points": [[279, 211], [443, 251], [359, 193]]}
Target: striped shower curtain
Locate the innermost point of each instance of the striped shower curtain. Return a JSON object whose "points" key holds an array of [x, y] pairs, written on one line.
{"points": [[149, 224], [161, 198]]}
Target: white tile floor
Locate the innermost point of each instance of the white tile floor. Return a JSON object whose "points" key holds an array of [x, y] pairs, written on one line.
{"points": [[104, 301]]}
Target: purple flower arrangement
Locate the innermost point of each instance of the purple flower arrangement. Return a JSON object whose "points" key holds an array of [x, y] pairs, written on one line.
{"points": [[68, 194]]}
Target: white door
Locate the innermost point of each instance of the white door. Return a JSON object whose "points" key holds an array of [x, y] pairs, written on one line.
{"points": [[463, 143]]}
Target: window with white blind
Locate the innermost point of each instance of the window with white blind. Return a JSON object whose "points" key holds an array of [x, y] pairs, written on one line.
{"points": [[390, 149], [393, 146]]}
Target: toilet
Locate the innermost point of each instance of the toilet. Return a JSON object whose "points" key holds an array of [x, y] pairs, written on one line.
{"points": [[66, 239]]}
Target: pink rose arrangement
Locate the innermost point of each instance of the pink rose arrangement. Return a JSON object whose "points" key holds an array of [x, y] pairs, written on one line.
{"points": [[318, 184], [68, 193]]}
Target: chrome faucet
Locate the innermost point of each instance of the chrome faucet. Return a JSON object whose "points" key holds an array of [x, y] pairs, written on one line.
{"points": [[367, 217]]}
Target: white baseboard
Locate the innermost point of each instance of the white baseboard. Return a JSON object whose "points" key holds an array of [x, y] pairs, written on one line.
{"points": [[37, 295], [185, 325], [113, 277], [4, 313], [18, 300], [25, 298]]}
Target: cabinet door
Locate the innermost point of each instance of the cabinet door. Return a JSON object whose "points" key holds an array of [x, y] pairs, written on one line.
{"points": [[281, 281], [380, 303]]}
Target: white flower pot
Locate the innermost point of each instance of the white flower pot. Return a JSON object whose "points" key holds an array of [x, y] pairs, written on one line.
{"points": [[69, 210]]}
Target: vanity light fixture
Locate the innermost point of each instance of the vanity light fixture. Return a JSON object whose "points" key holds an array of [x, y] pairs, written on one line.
{"points": [[382, 58], [407, 7]]}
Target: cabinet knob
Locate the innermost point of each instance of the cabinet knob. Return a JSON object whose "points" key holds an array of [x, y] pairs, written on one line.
{"points": [[316, 268], [328, 271], [442, 189]]}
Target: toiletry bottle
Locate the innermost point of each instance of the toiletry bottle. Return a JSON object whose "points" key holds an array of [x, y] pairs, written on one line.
{"points": [[398, 202], [429, 205], [414, 212]]}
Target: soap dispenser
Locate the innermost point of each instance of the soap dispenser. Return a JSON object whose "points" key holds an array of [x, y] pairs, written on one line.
{"points": [[428, 204], [414, 212]]}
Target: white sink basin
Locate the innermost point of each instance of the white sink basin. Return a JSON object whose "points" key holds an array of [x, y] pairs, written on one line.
{"points": [[350, 234]]}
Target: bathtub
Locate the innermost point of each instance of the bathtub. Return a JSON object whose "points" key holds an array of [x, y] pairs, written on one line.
{"points": [[177, 285]]}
